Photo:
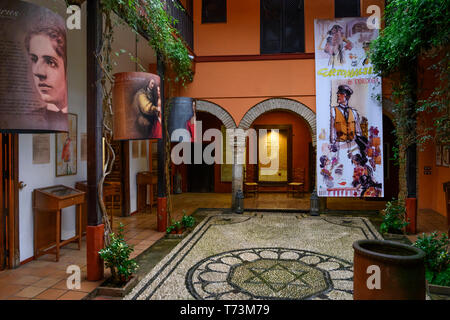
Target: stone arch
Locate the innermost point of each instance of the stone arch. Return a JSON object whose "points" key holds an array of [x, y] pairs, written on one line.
{"points": [[281, 104], [218, 111]]}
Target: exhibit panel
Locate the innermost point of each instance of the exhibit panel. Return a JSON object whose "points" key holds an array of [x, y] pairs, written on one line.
{"points": [[33, 79]]}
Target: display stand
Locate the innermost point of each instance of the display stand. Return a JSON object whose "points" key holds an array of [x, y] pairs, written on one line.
{"points": [[47, 205]]}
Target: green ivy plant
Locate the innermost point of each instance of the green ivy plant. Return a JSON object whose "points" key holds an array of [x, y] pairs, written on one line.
{"points": [[415, 29], [188, 221], [394, 218], [149, 17], [117, 258], [437, 258]]}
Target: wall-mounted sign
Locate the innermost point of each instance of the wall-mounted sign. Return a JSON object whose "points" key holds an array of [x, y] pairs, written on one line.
{"points": [[66, 149], [137, 106], [349, 112], [33, 86]]}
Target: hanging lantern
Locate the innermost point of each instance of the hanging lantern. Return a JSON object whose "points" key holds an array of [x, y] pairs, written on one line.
{"points": [[182, 116], [33, 93], [137, 106]]}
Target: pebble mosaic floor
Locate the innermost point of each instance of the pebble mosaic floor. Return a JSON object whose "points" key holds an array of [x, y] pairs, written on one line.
{"points": [[260, 256]]}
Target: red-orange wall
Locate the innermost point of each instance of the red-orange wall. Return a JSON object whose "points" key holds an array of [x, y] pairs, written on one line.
{"points": [[239, 85]]}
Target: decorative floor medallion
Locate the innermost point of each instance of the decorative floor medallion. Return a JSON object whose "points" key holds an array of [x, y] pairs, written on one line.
{"points": [[260, 256], [268, 273]]}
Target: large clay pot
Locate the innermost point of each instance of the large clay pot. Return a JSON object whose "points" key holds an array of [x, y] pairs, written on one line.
{"points": [[181, 110], [136, 104], [402, 271]]}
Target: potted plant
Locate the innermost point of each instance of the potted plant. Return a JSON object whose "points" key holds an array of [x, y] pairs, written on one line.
{"points": [[178, 227], [170, 229], [116, 256], [394, 221], [187, 221], [437, 261]]}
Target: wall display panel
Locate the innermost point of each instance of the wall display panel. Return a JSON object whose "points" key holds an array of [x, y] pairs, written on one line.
{"points": [[66, 149], [33, 86], [349, 111]]}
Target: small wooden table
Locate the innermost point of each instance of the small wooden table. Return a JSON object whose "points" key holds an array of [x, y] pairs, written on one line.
{"points": [[144, 179], [47, 205]]}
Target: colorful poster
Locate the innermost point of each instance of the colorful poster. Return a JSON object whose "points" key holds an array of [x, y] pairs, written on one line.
{"points": [[349, 111], [33, 86], [137, 106]]}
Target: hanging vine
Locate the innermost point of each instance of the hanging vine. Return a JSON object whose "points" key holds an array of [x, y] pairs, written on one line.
{"points": [[150, 18], [107, 81]]}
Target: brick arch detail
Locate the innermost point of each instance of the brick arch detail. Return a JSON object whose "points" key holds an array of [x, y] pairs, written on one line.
{"points": [[218, 111], [281, 104]]}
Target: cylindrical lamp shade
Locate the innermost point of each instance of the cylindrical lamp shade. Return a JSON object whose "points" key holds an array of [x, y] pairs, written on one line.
{"points": [[137, 106], [33, 86], [182, 116]]}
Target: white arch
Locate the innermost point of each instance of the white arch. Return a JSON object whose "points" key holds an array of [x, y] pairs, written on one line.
{"points": [[281, 104]]}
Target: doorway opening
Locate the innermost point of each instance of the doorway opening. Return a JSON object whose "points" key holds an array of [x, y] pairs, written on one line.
{"points": [[9, 201]]}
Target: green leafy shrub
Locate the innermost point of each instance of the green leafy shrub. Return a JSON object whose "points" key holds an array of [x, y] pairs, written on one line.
{"points": [[188, 221], [170, 229], [437, 258], [394, 217], [117, 257]]}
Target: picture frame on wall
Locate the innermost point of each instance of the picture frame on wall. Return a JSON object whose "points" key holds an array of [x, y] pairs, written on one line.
{"points": [[446, 156], [438, 155], [66, 149]]}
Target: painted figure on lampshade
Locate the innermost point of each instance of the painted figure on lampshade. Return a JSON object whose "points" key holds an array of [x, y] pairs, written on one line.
{"points": [[146, 102], [190, 124]]}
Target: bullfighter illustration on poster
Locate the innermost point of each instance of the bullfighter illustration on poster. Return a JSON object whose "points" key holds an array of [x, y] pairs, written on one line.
{"points": [[349, 111]]}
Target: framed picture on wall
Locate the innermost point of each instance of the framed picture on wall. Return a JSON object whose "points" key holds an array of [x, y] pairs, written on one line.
{"points": [[438, 155], [446, 156], [66, 149]]}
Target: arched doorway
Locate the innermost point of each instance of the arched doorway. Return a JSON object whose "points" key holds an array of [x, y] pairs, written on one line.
{"points": [[203, 177], [286, 107]]}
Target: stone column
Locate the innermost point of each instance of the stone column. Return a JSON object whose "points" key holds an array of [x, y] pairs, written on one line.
{"points": [[238, 165]]}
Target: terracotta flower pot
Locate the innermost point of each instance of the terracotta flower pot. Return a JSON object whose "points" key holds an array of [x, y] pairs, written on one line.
{"points": [[401, 271]]}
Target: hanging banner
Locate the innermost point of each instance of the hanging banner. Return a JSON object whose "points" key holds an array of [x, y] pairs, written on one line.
{"points": [[33, 86], [349, 112], [137, 106]]}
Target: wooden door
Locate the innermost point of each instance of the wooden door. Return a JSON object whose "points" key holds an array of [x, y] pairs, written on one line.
{"points": [[9, 241], [2, 210]]}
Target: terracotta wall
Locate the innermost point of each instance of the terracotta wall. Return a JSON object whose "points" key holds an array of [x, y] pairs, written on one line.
{"points": [[237, 86]]}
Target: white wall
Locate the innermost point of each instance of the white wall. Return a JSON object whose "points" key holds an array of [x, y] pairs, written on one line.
{"points": [[43, 175]]}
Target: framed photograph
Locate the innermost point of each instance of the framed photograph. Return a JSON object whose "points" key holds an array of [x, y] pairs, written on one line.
{"points": [[446, 156], [438, 155], [66, 149]]}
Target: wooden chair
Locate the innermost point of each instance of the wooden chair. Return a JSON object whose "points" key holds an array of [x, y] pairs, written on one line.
{"points": [[297, 185], [250, 184]]}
